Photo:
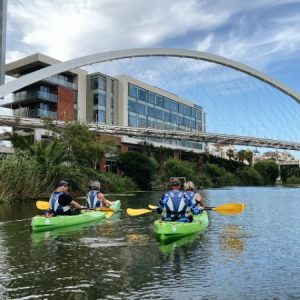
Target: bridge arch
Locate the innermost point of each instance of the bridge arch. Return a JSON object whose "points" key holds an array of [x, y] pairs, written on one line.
{"points": [[140, 52]]}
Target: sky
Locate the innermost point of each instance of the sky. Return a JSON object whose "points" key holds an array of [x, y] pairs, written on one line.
{"points": [[264, 35]]}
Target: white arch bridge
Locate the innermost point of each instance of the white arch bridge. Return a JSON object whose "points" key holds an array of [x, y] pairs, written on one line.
{"points": [[148, 132], [138, 132]]}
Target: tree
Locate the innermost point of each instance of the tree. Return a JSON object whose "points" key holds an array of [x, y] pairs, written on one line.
{"points": [[268, 169], [83, 146], [178, 168], [240, 155], [230, 154], [138, 167], [248, 156]]}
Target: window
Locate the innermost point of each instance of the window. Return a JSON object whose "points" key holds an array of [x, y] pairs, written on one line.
{"points": [[159, 101], [131, 106], [167, 103], [142, 122], [159, 114], [142, 95], [141, 109], [132, 121], [167, 116], [132, 91], [95, 99], [102, 100], [95, 116], [94, 83], [151, 98], [101, 116], [102, 83], [151, 111], [181, 108]]}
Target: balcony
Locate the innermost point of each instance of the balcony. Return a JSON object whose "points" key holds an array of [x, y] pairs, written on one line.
{"points": [[34, 113]]}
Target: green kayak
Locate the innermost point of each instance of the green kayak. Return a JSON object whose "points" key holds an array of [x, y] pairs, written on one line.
{"points": [[167, 231], [41, 223]]}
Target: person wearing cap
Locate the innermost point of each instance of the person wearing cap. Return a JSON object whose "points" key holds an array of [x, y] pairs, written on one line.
{"points": [[61, 202], [173, 206], [95, 199], [192, 196]]}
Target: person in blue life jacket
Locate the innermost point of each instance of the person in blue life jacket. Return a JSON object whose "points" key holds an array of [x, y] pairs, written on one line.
{"points": [[174, 206], [96, 199], [192, 196], [61, 202]]}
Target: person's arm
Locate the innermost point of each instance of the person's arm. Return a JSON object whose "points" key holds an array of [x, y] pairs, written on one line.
{"points": [[76, 205], [160, 205], [102, 198]]}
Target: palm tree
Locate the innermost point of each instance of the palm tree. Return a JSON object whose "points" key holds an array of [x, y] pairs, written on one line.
{"points": [[230, 154], [249, 156]]}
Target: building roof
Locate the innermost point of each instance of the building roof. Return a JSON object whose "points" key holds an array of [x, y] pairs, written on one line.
{"points": [[35, 60]]}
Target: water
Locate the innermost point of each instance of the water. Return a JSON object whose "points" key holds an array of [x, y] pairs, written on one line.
{"points": [[254, 255]]}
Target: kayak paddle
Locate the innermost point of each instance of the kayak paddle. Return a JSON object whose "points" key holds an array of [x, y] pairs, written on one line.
{"points": [[224, 209], [44, 205]]}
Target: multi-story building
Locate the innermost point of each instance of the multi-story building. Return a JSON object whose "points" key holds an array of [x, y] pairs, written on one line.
{"points": [[119, 100], [55, 97]]}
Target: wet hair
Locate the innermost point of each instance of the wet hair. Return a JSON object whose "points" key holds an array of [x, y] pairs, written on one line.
{"points": [[189, 186]]}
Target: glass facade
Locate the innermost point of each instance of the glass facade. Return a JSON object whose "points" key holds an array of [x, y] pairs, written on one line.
{"points": [[98, 87], [151, 110]]}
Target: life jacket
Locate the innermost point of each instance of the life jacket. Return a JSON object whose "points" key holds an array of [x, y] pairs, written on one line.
{"points": [[190, 196], [92, 201], [175, 206], [55, 206]]}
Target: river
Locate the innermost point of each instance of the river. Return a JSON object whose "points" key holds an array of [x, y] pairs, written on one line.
{"points": [[254, 255]]}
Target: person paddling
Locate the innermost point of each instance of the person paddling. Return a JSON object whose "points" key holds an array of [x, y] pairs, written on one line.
{"points": [[61, 202], [193, 196], [173, 206], [95, 199]]}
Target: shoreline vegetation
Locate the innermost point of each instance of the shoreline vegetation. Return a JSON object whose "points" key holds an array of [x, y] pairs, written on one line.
{"points": [[73, 153]]}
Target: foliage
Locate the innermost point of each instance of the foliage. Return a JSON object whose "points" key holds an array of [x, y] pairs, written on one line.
{"points": [[249, 176], [219, 176], [118, 184], [82, 145], [268, 169], [178, 168], [20, 178], [293, 180], [138, 167]]}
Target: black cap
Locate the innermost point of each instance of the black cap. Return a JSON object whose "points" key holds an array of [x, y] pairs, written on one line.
{"points": [[62, 183]]}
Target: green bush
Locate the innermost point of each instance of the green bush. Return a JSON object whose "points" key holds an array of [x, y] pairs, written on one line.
{"points": [[117, 184], [293, 180], [178, 168], [138, 167], [249, 176], [268, 169], [20, 178]]}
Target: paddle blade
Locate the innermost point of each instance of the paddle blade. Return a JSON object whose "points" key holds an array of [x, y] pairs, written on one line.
{"points": [[152, 206], [137, 212], [229, 208], [108, 214], [42, 205]]}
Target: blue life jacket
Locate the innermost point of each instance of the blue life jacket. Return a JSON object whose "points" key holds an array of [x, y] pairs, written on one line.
{"points": [[55, 206], [190, 197], [174, 207], [92, 201]]}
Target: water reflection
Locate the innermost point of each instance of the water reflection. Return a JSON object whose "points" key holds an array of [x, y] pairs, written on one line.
{"points": [[171, 246], [230, 240]]}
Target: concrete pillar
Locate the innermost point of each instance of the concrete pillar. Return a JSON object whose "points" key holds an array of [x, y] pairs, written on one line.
{"points": [[3, 20]]}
